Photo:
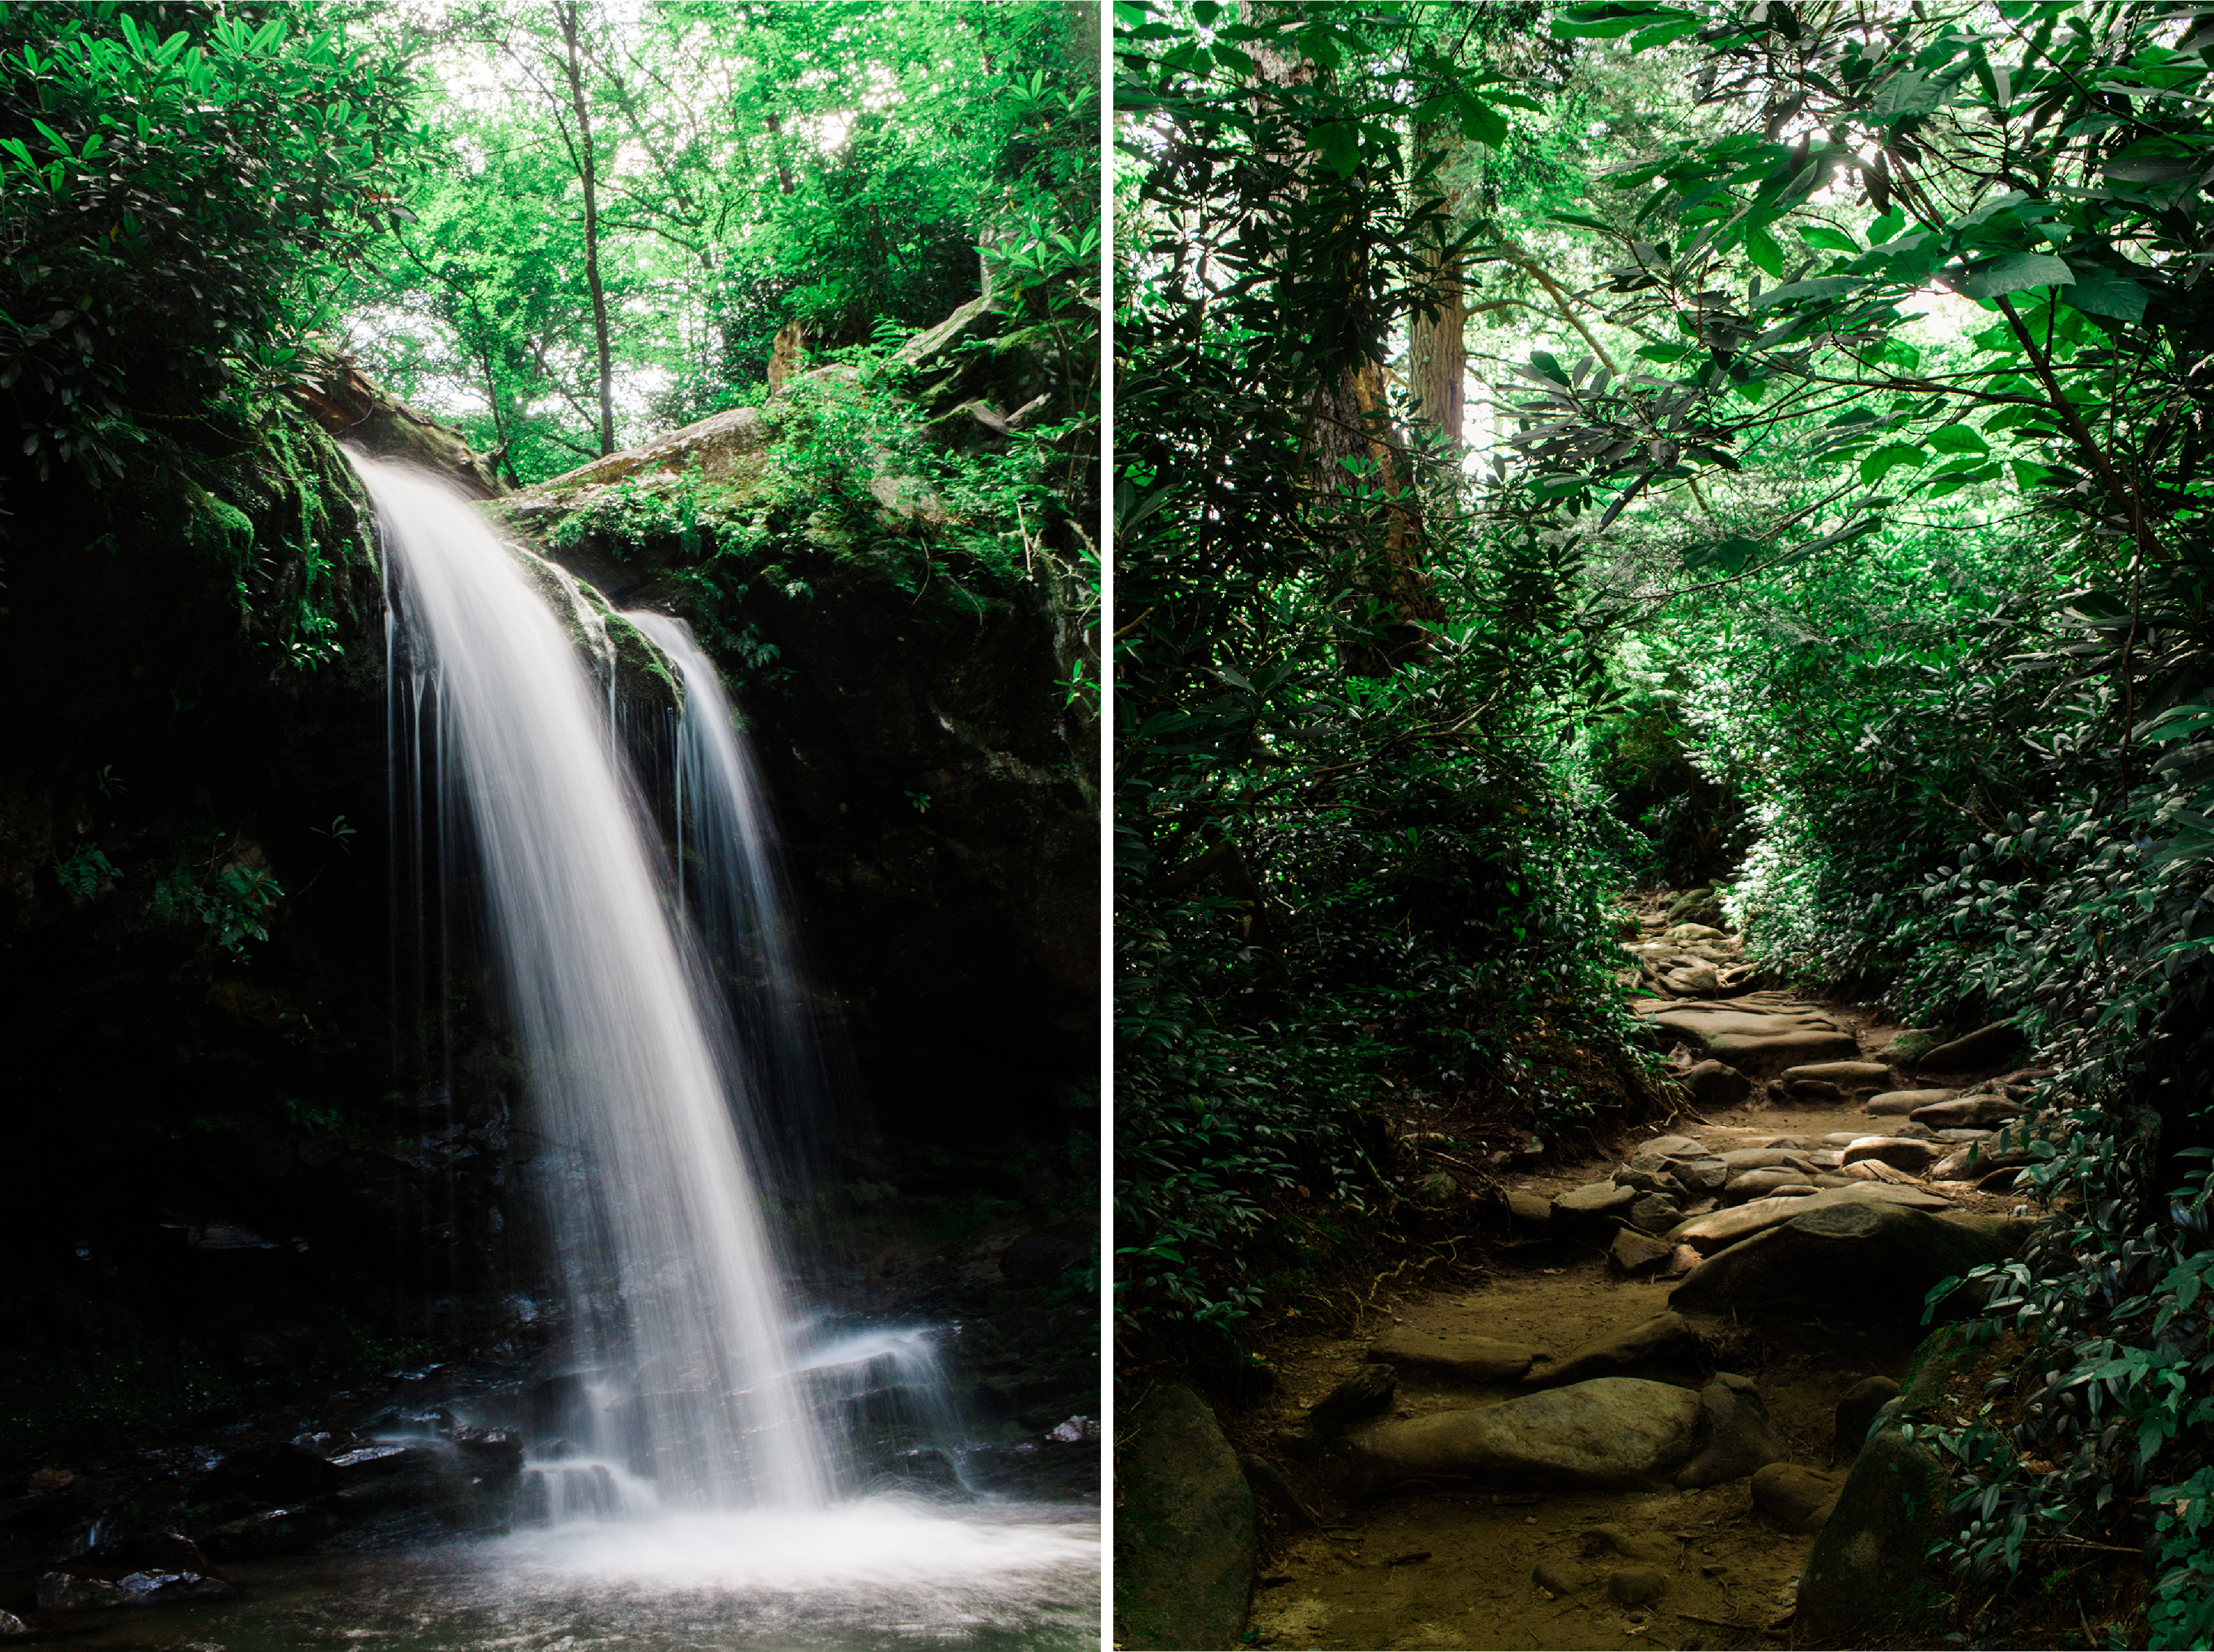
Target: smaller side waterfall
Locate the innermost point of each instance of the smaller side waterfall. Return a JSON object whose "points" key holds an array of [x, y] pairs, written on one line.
{"points": [[732, 891]]}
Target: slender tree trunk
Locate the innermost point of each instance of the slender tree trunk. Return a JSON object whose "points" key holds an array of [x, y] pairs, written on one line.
{"points": [[776, 151], [564, 12]]}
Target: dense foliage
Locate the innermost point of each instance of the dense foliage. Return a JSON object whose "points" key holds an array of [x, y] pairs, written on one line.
{"points": [[623, 215], [1848, 364], [1360, 881], [180, 187]]}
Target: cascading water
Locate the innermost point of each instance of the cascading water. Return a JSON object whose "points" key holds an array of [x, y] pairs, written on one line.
{"points": [[695, 1496], [669, 1267], [731, 891]]}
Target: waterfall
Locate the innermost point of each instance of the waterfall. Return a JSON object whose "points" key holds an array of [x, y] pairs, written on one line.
{"points": [[731, 890], [674, 1295]]}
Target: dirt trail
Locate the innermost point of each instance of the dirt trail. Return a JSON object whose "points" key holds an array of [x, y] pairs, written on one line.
{"points": [[1456, 1568]]}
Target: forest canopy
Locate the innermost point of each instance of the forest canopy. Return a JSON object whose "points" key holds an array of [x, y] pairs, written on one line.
{"points": [[1564, 448], [557, 226]]}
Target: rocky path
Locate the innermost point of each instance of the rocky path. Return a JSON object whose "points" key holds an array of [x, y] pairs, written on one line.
{"points": [[1630, 1437]]}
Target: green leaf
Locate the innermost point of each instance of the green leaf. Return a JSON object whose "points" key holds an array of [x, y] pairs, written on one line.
{"points": [[1760, 247], [2101, 292], [1480, 123], [1887, 227], [1822, 286], [1888, 457], [1828, 240], [1728, 556], [2014, 272], [1339, 141], [1959, 438]]}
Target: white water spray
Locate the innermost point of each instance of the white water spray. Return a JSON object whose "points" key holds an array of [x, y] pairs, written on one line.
{"points": [[669, 1267]]}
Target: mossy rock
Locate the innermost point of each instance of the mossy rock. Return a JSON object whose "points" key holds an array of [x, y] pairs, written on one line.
{"points": [[1868, 1580]]}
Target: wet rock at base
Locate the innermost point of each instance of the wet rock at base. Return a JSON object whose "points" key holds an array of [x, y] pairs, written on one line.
{"points": [[1741, 1437], [1991, 1046], [1856, 1258], [273, 1531], [1712, 1084], [1043, 1255], [1665, 1336], [1367, 1391], [1857, 1410], [166, 1551], [1184, 1541], [277, 1472], [1608, 1434], [1797, 1499], [66, 1592], [1459, 1359], [11, 1626], [1899, 1151], [1902, 1102], [1634, 1254]]}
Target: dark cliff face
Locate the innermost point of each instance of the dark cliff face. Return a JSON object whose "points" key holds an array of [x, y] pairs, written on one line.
{"points": [[233, 1180], [190, 658]]}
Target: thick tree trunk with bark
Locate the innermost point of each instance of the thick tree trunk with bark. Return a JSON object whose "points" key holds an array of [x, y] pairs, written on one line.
{"points": [[1437, 352], [1347, 416]]}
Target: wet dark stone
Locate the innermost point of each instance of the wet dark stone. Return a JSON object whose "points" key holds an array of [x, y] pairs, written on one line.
{"points": [[1042, 1256], [282, 1472]]}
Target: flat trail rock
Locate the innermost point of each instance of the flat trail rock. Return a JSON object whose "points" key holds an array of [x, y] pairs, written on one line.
{"points": [[1730, 1568]]}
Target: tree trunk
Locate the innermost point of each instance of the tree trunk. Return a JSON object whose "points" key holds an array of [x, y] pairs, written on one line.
{"points": [[564, 12], [1437, 352], [1347, 417]]}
